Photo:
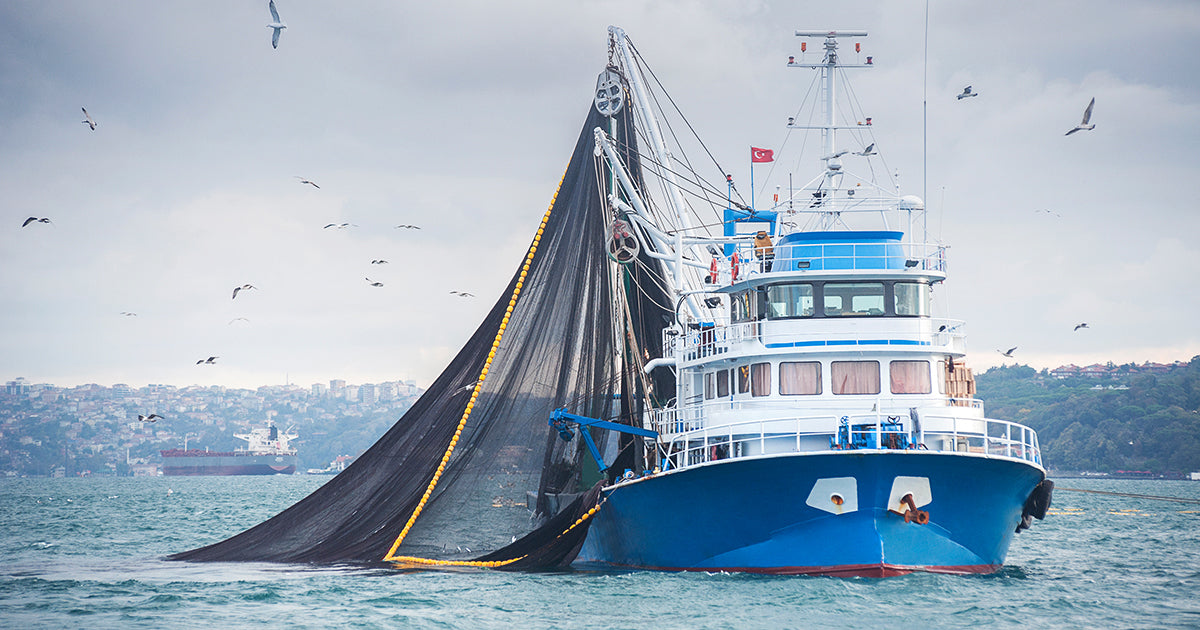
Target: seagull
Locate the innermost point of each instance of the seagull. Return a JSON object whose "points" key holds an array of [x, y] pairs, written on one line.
{"points": [[35, 220], [340, 226], [244, 287], [967, 93], [870, 150], [1050, 212], [462, 294], [1078, 326], [208, 361], [374, 284], [1087, 116], [128, 314], [275, 24], [150, 418], [238, 319], [1008, 353], [307, 181], [88, 119], [408, 227], [379, 262]]}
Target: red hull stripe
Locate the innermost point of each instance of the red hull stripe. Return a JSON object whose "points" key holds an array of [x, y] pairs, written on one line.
{"points": [[846, 570]]}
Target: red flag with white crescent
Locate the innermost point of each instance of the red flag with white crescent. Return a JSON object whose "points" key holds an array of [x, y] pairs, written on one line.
{"points": [[761, 155]]}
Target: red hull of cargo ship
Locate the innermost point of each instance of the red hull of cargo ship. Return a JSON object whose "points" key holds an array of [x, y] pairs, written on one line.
{"points": [[191, 463]]}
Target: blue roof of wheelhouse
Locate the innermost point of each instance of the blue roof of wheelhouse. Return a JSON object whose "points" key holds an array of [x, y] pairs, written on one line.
{"points": [[840, 250]]}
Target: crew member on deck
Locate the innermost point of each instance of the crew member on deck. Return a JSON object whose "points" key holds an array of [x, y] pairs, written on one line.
{"points": [[764, 250]]}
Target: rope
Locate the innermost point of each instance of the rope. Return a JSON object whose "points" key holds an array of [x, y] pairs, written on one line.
{"points": [[1126, 494], [478, 383]]}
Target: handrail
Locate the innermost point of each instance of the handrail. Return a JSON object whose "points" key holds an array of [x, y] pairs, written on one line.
{"points": [[929, 334], [683, 447]]}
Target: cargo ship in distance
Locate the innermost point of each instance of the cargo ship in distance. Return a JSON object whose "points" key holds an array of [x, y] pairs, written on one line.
{"points": [[268, 452]]}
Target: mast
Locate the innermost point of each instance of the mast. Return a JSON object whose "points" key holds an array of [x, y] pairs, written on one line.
{"points": [[832, 157]]}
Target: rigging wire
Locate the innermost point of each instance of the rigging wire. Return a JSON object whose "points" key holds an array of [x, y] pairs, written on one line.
{"points": [[677, 110]]}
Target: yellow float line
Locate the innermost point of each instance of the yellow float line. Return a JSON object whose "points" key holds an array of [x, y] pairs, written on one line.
{"points": [[479, 382], [411, 560]]}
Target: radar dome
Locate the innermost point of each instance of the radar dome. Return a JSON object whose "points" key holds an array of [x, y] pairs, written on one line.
{"points": [[911, 202]]}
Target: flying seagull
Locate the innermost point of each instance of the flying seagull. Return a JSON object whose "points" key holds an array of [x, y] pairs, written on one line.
{"points": [[128, 314], [1078, 326], [238, 319], [244, 287], [150, 418], [208, 361], [340, 226], [462, 294], [275, 24], [967, 93], [88, 119], [1087, 116], [408, 227], [1050, 212], [35, 220], [374, 284], [1007, 353], [870, 150], [307, 181], [379, 262]]}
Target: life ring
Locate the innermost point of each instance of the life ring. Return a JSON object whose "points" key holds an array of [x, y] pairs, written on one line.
{"points": [[733, 265]]}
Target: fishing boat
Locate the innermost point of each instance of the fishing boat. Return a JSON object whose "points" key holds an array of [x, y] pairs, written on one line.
{"points": [[772, 390], [823, 420]]}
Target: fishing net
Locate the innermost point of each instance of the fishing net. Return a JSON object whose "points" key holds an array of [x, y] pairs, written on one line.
{"points": [[473, 473]]}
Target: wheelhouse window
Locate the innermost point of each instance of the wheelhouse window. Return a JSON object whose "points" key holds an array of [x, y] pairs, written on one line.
{"points": [[854, 299], [800, 378], [710, 385], [722, 383], [913, 298], [740, 306], [909, 377], [789, 300], [854, 377], [743, 379], [760, 379]]}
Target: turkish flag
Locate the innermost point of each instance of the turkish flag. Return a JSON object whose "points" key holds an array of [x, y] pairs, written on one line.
{"points": [[761, 155]]}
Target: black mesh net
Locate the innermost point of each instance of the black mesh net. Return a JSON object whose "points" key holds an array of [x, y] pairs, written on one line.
{"points": [[473, 467]]}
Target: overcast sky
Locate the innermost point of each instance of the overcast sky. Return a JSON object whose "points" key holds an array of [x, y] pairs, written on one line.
{"points": [[460, 116]]}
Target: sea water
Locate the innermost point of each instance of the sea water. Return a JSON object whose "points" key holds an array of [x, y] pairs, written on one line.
{"points": [[88, 553]]}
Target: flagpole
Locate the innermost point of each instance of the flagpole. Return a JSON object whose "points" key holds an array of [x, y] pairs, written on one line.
{"points": [[751, 181]]}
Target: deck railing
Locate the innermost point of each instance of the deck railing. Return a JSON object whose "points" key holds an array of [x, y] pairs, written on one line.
{"points": [[683, 444], [934, 334]]}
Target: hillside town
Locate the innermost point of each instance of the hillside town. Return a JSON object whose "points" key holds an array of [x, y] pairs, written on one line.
{"points": [[89, 430]]}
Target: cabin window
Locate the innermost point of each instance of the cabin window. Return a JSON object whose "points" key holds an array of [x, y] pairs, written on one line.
{"points": [[909, 377], [941, 380], [760, 379], [801, 378], [710, 385], [740, 306], [913, 298], [722, 383], [743, 379], [789, 300], [854, 377], [854, 299]]}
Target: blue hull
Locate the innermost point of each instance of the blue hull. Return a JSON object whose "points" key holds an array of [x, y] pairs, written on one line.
{"points": [[776, 515]]}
